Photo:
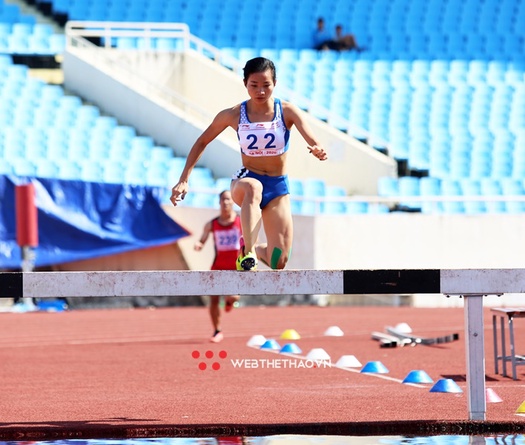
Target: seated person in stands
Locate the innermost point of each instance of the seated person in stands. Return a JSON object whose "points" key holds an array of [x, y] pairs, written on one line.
{"points": [[321, 38], [344, 42]]}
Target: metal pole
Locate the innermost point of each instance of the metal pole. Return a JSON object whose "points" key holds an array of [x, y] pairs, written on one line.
{"points": [[474, 337]]}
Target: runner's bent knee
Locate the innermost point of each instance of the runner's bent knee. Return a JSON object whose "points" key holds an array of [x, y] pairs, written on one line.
{"points": [[247, 191]]}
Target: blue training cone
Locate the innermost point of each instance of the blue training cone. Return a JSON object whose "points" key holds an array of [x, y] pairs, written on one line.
{"points": [[270, 344], [418, 376], [291, 348], [446, 385], [375, 367]]}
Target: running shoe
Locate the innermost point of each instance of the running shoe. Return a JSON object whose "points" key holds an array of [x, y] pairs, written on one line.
{"points": [[217, 338], [247, 262]]}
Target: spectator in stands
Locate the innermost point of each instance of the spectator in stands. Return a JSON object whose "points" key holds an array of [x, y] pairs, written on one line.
{"points": [[260, 187], [321, 37], [226, 230], [345, 42]]}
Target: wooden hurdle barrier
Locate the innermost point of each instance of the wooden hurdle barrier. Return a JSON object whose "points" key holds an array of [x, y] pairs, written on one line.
{"points": [[472, 284]]}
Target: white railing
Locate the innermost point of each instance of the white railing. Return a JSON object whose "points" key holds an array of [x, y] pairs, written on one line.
{"points": [[77, 34]]}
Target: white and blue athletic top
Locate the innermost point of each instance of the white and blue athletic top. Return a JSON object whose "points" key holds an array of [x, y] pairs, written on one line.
{"points": [[263, 138]]}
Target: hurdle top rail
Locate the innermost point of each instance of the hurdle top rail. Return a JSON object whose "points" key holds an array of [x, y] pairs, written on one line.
{"points": [[264, 282], [472, 284]]}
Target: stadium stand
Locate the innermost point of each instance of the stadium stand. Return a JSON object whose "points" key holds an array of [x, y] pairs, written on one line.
{"points": [[442, 83], [26, 40], [49, 134]]}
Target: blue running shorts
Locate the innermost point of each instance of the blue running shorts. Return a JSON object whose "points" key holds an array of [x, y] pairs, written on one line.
{"points": [[273, 186]]}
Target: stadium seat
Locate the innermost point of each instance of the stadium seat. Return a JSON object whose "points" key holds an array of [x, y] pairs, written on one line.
{"points": [[296, 187], [202, 177], [430, 72], [336, 206], [491, 187], [23, 167], [356, 207], [313, 187], [409, 186], [388, 186], [472, 188], [135, 173], [113, 172], [222, 184], [46, 168]]}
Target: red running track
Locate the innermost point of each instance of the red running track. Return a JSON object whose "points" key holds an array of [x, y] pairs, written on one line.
{"points": [[131, 373]]}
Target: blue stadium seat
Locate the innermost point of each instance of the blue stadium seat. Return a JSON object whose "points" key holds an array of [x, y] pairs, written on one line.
{"points": [[338, 205], [157, 174], [86, 114], [77, 145], [57, 43], [202, 175], [492, 187], [515, 205], [69, 103], [313, 187], [18, 44], [5, 60], [472, 188], [123, 133], [46, 168], [201, 200], [104, 125], [9, 13], [162, 154], [23, 167], [356, 207], [222, 184], [42, 30], [38, 45], [126, 42], [296, 187], [21, 29], [6, 168], [176, 165], [388, 186], [452, 188], [135, 173], [142, 142], [409, 186], [61, 6], [113, 172]]}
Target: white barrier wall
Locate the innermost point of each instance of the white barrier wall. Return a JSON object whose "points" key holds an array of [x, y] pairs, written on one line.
{"points": [[390, 241]]}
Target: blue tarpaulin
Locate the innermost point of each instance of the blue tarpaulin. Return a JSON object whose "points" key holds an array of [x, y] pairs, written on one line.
{"points": [[80, 220]]}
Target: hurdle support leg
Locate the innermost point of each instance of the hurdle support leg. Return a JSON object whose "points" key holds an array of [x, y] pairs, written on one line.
{"points": [[474, 341]]}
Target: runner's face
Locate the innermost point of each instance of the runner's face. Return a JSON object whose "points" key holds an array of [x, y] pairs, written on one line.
{"points": [[260, 86], [226, 201]]}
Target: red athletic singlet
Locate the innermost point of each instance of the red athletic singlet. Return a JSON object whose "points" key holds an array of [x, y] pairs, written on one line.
{"points": [[227, 244]]}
